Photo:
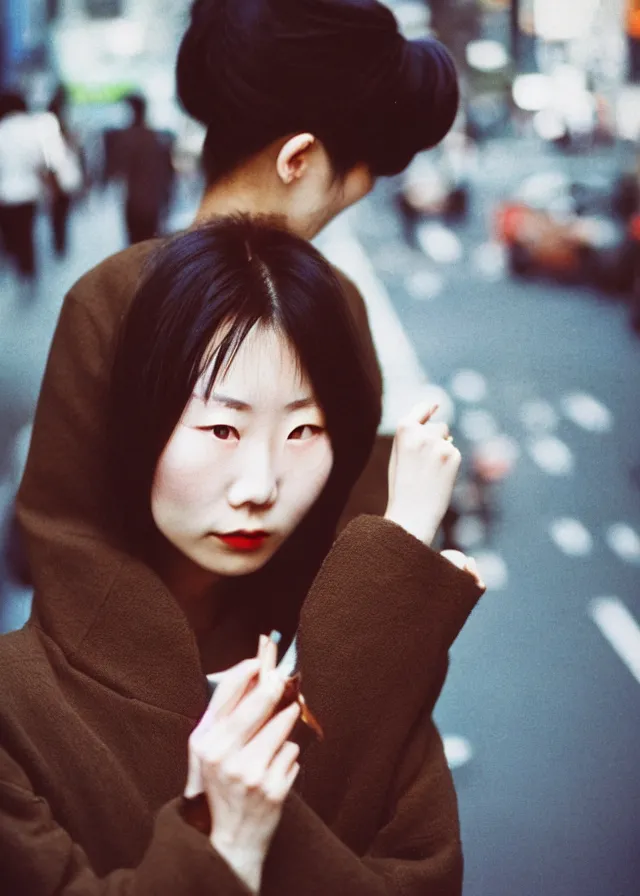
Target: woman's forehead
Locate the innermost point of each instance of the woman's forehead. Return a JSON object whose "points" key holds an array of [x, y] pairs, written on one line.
{"points": [[264, 365]]}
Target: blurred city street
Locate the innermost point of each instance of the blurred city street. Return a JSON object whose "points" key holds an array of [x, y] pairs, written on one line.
{"points": [[550, 797], [502, 272]]}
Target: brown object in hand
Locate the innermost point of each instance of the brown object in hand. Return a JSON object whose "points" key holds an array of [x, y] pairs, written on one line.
{"points": [[291, 694], [195, 810]]}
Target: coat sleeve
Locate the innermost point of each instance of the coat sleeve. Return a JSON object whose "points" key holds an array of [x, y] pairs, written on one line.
{"points": [[373, 642], [39, 858], [414, 853]]}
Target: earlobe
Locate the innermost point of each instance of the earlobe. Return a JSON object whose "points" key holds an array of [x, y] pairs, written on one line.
{"points": [[293, 157]]}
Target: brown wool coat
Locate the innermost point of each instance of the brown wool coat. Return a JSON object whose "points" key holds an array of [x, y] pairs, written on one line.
{"points": [[102, 687]]}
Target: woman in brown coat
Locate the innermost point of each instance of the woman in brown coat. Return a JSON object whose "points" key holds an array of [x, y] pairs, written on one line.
{"points": [[227, 470], [305, 103]]}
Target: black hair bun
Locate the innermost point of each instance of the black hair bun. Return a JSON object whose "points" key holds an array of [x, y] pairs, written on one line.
{"points": [[253, 71], [437, 89], [198, 62]]}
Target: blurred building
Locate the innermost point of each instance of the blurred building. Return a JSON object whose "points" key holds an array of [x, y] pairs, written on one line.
{"points": [[105, 49], [23, 39]]}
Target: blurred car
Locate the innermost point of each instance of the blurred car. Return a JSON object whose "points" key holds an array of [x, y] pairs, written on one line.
{"points": [[436, 184], [568, 227]]}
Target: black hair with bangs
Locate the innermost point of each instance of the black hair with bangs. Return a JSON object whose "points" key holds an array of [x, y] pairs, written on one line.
{"points": [[225, 277]]}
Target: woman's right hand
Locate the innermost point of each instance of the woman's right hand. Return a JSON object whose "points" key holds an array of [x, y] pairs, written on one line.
{"points": [[423, 468], [246, 764]]}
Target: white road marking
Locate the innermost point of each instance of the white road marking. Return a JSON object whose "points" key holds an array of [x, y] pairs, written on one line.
{"points": [[490, 259], [620, 629], [477, 425], [405, 382], [492, 568], [424, 285], [469, 386], [439, 243], [624, 541], [571, 537], [586, 411], [552, 456], [538, 416]]}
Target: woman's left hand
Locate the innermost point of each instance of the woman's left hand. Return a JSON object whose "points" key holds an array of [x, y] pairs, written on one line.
{"points": [[463, 562]]}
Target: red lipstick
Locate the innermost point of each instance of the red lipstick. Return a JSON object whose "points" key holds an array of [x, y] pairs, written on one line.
{"points": [[244, 541]]}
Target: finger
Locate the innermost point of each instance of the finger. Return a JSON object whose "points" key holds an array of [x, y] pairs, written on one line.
{"points": [[279, 790], [233, 687], [261, 750], [420, 413], [284, 758], [472, 567], [437, 431], [251, 713], [262, 646], [280, 770], [268, 653], [194, 784]]}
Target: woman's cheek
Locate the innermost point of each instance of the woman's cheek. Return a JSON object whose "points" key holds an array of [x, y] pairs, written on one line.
{"points": [[181, 472], [313, 463]]}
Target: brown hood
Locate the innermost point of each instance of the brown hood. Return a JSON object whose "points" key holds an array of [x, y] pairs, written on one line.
{"points": [[110, 614]]}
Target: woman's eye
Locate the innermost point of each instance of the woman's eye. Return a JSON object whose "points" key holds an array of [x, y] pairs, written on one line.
{"points": [[223, 432], [305, 432]]}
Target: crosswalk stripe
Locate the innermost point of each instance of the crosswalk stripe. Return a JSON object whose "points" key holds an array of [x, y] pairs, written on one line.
{"points": [[620, 629]]}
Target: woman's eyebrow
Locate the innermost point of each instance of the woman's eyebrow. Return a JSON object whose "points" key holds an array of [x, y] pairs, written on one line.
{"points": [[236, 405]]}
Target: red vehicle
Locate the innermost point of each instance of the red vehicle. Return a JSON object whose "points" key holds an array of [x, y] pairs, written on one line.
{"points": [[565, 227]]}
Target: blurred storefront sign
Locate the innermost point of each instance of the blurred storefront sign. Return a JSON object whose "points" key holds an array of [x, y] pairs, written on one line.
{"points": [[633, 18], [632, 27], [557, 21]]}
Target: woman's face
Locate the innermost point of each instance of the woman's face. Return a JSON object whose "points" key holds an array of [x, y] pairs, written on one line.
{"points": [[242, 468]]}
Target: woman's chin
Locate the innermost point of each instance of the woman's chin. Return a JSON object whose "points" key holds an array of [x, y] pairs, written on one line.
{"points": [[236, 563]]}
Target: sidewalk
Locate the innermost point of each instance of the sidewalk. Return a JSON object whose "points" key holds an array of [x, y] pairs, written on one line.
{"points": [[27, 321]]}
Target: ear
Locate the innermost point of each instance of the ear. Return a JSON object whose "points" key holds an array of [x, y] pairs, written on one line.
{"points": [[293, 158]]}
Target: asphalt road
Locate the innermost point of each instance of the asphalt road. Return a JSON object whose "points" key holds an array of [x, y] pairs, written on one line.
{"points": [[550, 800]]}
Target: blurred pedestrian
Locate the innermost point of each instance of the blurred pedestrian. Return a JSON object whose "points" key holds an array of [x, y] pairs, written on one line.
{"points": [[66, 180], [143, 160], [22, 164]]}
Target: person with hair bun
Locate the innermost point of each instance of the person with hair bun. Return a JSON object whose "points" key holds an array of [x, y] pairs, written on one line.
{"points": [[306, 102]]}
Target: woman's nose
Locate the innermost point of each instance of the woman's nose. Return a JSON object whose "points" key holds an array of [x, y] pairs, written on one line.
{"points": [[255, 483]]}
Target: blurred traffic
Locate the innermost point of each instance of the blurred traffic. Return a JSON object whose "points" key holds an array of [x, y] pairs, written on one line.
{"points": [[503, 270]]}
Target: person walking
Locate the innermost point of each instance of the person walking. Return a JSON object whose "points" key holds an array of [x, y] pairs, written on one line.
{"points": [[143, 160], [22, 165], [68, 177]]}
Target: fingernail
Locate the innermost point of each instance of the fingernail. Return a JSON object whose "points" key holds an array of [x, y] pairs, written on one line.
{"points": [[275, 636]]}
